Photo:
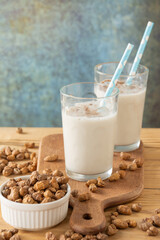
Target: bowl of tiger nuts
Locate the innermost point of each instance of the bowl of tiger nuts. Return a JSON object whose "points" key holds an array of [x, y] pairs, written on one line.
{"points": [[36, 201]]}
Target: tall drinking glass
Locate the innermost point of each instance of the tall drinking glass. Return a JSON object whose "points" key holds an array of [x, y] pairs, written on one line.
{"points": [[89, 123], [130, 103]]}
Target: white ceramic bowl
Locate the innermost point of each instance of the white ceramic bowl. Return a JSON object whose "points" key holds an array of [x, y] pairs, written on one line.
{"points": [[34, 217]]}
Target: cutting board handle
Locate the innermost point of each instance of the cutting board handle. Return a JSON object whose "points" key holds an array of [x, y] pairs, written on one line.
{"points": [[88, 217]]}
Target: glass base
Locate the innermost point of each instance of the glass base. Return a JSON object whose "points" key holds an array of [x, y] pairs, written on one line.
{"points": [[126, 148], [84, 177]]}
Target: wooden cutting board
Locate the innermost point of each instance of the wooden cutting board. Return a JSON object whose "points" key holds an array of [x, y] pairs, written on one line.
{"points": [[88, 217]]}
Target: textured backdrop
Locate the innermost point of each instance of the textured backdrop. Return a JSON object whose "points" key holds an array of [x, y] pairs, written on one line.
{"points": [[45, 44]]}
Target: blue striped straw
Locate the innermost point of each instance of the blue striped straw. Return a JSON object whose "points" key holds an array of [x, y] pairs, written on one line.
{"points": [[140, 51], [119, 69]]}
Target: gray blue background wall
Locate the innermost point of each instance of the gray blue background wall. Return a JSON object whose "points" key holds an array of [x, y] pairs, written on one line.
{"points": [[45, 44]]}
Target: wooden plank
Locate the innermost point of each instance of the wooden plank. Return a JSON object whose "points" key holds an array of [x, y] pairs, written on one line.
{"points": [[150, 198]]}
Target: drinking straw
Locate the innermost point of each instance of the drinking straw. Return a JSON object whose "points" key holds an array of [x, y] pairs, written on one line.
{"points": [[140, 51], [119, 69]]}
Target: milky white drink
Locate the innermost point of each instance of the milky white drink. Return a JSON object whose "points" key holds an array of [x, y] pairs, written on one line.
{"points": [[130, 102], [88, 138], [130, 114]]}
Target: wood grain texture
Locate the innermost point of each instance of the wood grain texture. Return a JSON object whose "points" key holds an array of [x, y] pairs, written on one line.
{"points": [[114, 193], [150, 197]]}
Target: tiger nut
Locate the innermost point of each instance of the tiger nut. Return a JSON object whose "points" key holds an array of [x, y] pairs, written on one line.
{"points": [[136, 207], [125, 210], [51, 158], [94, 181], [84, 197], [125, 156], [152, 231], [120, 224], [123, 165], [114, 177], [92, 187], [132, 166]]}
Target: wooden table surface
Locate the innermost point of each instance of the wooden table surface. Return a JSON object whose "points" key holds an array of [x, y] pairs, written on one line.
{"points": [[150, 197]]}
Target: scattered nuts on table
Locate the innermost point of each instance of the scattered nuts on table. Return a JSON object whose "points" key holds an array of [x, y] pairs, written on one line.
{"points": [[122, 173], [139, 162], [57, 173], [157, 210], [100, 182], [50, 236], [19, 130], [136, 207], [125, 156], [8, 166], [51, 158], [132, 223], [74, 193], [112, 218], [62, 237], [123, 165], [93, 187], [152, 231], [12, 165], [145, 224], [29, 145], [120, 224], [8, 151], [132, 166], [102, 236], [76, 236], [93, 184], [156, 220], [39, 188], [68, 233], [114, 214], [124, 210], [15, 237], [94, 181], [7, 234], [111, 230], [84, 197], [114, 177]]}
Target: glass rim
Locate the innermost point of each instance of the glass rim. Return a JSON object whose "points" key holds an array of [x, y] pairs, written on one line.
{"points": [[91, 98], [146, 70]]}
